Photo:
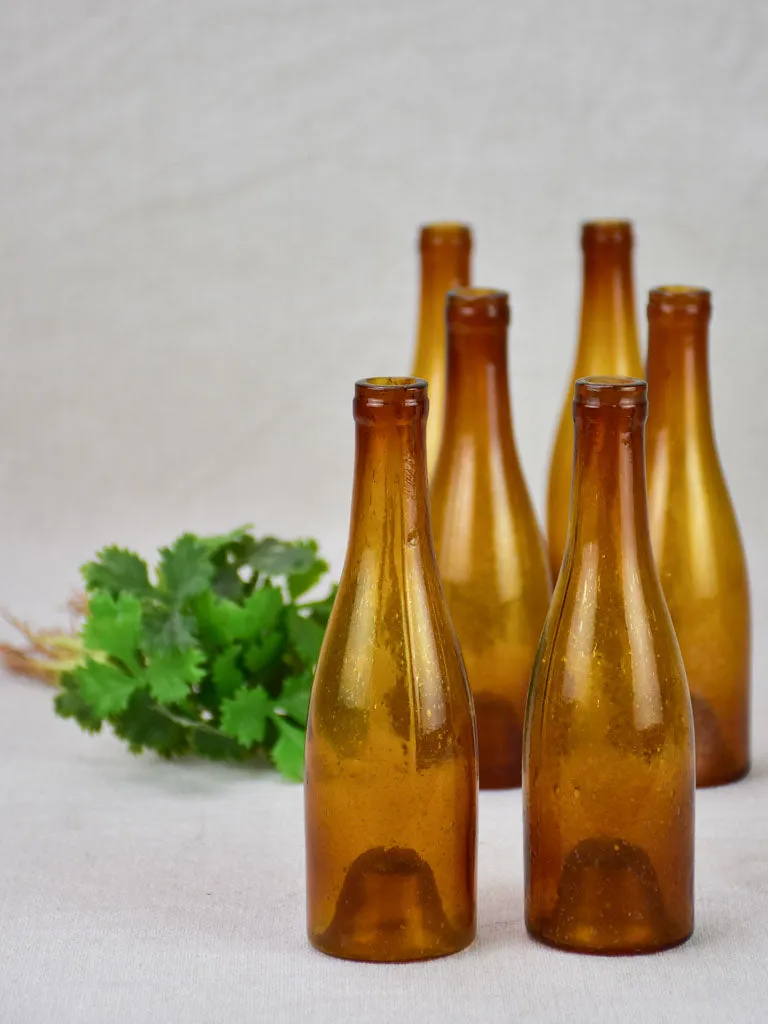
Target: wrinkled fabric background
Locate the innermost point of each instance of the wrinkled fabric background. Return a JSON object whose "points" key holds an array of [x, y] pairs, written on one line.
{"points": [[208, 214]]}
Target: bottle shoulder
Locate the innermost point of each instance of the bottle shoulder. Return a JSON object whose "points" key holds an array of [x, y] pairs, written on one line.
{"points": [[694, 528], [608, 648]]}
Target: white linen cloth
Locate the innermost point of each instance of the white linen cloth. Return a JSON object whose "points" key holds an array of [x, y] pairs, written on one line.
{"points": [[134, 891]]}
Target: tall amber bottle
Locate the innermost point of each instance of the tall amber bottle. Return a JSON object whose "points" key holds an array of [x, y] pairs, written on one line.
{"points": [[607, 345], [608, 764], [391, 759], [445, 251], [488, 543], [695, 535]]}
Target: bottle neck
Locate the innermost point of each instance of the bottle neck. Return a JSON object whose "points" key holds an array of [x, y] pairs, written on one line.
{"points": [[678, 380], [608, 328], [390, 507], [443, 267], [477, 404], [609, 513]]}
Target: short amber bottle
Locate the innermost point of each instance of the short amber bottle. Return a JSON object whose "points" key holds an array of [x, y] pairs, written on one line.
{"points": [[391, 757], [695, 535], [607, 345], [608, 765], [445, 251], [489, 546]]}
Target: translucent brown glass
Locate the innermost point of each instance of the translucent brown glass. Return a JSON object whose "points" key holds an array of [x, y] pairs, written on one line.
{"points": [[695, 535], [607, 345], [445, 251], [608, 764], [391, 757], [489, 546]]}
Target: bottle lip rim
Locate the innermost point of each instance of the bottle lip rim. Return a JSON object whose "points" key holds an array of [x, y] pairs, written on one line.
{"points": [[616, 231], [690, 300], [397, 391], [472, 306], [448, 232], [610, 392]]}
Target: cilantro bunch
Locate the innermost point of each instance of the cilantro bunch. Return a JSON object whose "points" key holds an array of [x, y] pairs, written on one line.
{"points": [[215, 657]]}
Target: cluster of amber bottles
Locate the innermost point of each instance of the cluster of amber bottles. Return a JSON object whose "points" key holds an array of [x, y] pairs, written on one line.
{"points": [[448, 658]]}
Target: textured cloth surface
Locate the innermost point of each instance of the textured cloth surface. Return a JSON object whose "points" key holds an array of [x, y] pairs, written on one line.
{"points": [[132, 890]]}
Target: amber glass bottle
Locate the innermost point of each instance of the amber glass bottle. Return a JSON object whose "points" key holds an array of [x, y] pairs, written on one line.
{"points": [[608, 765], [695, 536], [391, 758], [446, 251], [607, 345], [488, 543]]}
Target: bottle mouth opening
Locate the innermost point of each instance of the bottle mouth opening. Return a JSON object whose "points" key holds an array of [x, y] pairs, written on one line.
{"points": [[606, 232], [683, 299], [396, 391], [610, 392], [477, 307], [445, 233]]}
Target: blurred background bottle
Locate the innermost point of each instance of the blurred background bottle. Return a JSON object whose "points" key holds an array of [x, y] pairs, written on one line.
{"points": [[489, 546], [695, 535], [445, 252], [607, 345]]}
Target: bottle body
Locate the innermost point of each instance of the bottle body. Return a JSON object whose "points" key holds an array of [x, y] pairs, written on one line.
{"points": [[488, 543], [608, 778], [695, 534], [445, 252], [391, 764], [607, 345]]}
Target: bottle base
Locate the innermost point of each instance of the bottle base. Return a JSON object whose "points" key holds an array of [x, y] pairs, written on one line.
{"points": [[716, 762], [636, 949], [499, 743], [361, 954], [609, 903], [389, 910], [713, 779]]}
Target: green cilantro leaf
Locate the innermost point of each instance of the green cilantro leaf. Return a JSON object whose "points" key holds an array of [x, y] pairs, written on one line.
{"points": [[105, 688], [256, 615], [117, 570], [185, 568], [114, 627], [164, 627], [226, 672], [69, 703], [244, 716], [288, 752], [216, 747], [226, 540], [216, 660], [263, 654], [277, 558], [171, 674], [145, 725], [294, 699], [306, 636], [300, 582], [320, 611]]}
